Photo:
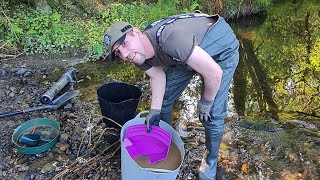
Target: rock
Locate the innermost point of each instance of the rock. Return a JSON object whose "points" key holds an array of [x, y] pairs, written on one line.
{"points": [[191, 176], [303, 124], [21, 71], [39, 155], [13, 70], [64, 137], [202, 140], [48, 167], [29, 177], [22, 160], [22, 167], [23, 81], [68, 152], [21, 91], [27, 74], [64, 147], [13, 89], [2, 72], [31, 158]]}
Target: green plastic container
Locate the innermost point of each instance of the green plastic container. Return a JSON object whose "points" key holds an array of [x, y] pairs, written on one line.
{"points": [[34, 123]]}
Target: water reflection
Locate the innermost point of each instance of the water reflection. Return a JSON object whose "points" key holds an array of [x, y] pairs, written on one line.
{"points": [[280, 63]]}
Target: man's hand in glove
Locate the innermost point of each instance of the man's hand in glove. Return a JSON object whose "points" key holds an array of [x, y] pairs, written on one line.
{"points": [[204, 107], [153, 118]]}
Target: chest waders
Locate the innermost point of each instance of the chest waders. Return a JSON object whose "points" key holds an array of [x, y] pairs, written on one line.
{"points": [[214, 129]]}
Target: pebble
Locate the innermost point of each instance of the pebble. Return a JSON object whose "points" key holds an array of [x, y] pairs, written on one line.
{"points": [[27, 74], [29, 177], [22, 167], [32, 158], [21, 71], [50, 155], [23, 81], [39, 155], [191, 176], [4, 173], [13, 89], [64, 147], [202, 140], [12, 70], [2, 72], [48, 167], [68, 152], [303, 124], [64, 137]]}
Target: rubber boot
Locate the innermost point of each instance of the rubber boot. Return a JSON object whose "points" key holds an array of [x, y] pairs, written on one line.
{"points": [[214, 133]]}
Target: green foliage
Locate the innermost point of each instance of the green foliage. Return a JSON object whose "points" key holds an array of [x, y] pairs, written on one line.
{"points": [[264, 2], [80, 24], [38, 32], [314, 56], [243, 7]]}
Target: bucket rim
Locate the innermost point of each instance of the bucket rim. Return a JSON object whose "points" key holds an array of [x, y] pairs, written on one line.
{"points": [[123, 83], [174, 136], [126, 100]]}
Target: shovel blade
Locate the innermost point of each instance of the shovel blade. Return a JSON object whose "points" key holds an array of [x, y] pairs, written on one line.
{"points": [[64, 98]]}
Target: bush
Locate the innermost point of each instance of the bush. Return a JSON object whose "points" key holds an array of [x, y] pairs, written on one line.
{"points": [[38, 32], [82, 24]]}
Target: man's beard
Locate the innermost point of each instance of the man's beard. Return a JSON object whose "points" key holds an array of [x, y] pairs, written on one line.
{"points": [[143, 56]]}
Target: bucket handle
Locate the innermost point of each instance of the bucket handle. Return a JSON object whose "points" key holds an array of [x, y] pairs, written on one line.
{"points": [[158, 171], [141, 113]]}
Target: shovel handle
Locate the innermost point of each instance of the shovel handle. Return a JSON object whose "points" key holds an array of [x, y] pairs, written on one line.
{"points": [[10, 114], [7, 114]]}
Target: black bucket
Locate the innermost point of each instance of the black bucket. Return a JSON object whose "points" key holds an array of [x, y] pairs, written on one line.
{"points": [[118, 101]]}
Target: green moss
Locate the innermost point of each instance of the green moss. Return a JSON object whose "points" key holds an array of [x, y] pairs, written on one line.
{"points": [[257, 124]]}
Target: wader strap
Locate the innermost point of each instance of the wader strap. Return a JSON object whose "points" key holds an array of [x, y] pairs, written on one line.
{"points": [[161, 28]]}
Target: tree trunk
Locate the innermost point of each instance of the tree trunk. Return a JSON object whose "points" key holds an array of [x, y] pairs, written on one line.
{"points": [[240, 86]]}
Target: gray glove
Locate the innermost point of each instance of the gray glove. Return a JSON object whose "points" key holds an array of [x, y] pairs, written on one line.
{"points": [[204, 107], [153, 118]]}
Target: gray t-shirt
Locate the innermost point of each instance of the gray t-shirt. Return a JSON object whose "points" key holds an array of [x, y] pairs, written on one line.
{"points": [[177, 40]]}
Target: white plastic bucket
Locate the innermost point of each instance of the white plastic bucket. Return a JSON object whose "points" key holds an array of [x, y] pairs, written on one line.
{"points": [[131, 170]]}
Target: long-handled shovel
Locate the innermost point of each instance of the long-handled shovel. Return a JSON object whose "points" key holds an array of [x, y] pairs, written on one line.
{"points": [[57, 103]]}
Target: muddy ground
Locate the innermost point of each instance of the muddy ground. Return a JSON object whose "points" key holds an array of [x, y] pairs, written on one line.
{"points": [[84, 149]]}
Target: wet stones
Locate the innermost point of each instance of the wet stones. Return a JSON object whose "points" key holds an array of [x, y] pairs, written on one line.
{"points": [[3, 72]]}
